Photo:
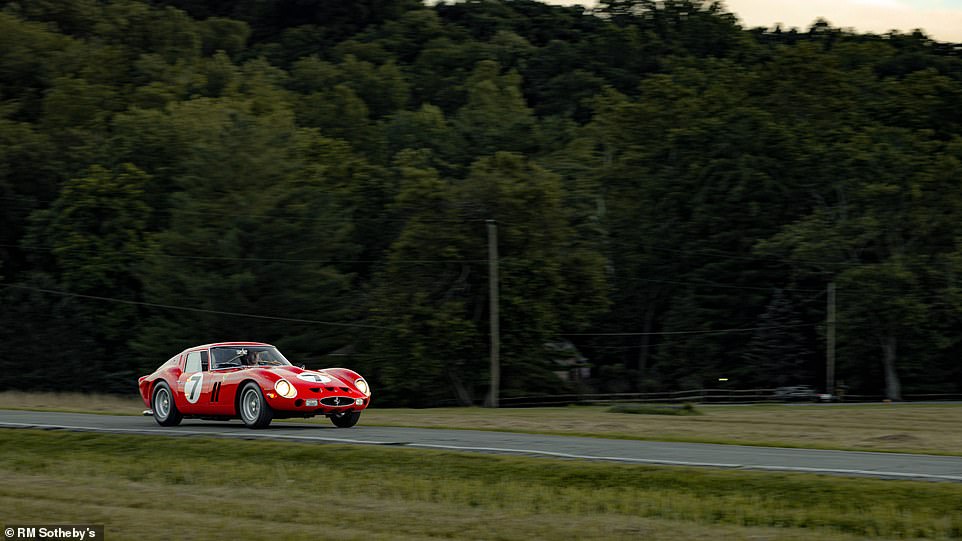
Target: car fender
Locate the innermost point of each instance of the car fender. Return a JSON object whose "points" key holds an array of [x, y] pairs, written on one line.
{"points": [[343, 374], [349, 377]]}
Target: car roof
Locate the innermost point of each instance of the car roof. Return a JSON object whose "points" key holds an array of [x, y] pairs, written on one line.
{"points": [[228, 344]]}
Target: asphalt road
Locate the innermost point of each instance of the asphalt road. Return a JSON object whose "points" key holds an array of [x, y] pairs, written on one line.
{"points": [[884, 465]]}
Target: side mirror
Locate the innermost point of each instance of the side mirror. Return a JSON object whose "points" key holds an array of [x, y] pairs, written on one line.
{"points": [[303, 367]]}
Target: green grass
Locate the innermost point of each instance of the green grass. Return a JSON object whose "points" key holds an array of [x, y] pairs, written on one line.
{"points": [[105, 404], [196, 488], [648, 409]]}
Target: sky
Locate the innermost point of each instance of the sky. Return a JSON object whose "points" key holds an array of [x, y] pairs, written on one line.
{"points": [[940, 19]]}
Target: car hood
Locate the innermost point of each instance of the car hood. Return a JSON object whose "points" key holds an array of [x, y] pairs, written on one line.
{"points": [[300, 376]]}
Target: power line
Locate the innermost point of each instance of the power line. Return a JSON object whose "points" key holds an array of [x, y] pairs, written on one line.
{"points": [[727, 286], [345, 220], [667, 333], [721, 254], [369, 326], [652, 345], [325, 261], [191, 309], [399, 261], [146, 253], [339, 324], [256, 259]]}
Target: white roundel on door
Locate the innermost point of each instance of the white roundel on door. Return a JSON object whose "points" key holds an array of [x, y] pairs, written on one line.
{"points": [[192, 387]]}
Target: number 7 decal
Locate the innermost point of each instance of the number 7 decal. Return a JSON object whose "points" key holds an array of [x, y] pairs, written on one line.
{"points": [[192, 387]]}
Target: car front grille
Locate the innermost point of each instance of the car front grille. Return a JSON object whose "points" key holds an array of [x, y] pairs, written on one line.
{"points": [[337, 401]]}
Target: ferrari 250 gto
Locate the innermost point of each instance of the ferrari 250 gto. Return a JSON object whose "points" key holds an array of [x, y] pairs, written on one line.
{"points": [[252, 381]]}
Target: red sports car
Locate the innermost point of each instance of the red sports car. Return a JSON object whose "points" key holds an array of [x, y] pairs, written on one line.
{"points": [[252, 381]]}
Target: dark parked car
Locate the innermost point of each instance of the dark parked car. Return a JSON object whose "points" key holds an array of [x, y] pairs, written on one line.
{"points": [[796, 393]]}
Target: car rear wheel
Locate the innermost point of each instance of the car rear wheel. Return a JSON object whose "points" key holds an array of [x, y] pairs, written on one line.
{"points": [[345, 419], [162, 402], [252, 407]]}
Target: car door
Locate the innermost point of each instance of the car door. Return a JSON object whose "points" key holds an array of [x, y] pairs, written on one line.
{"points": [[219, 400], [190, 384]]}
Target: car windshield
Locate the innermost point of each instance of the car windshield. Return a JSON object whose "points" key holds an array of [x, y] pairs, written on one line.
{"points": [[232, 357]]}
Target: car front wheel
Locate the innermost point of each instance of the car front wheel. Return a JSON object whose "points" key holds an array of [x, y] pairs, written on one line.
{"points": [[252, 407], [345, 419], [162, 402]]}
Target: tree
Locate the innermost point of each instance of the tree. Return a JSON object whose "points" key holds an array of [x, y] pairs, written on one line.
{"points": [[778, 353], [87, 243], [257, 227], [692, 172], [27, 178], [885, 236], [437, 311], [656, 173], [426, 350], [495, 117]]}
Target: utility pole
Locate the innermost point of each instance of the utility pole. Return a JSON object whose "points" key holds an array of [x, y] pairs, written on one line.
{"points": [[493, 309], [830, 341]]}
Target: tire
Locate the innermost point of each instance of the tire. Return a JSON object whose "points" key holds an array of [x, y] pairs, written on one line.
{"points": [[252, 407], [165, 410], [345, 419]]}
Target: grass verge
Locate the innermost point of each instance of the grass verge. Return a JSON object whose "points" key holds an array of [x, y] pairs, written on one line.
{"points": [[106, 404], [911, 428], [647, 409], [194, 488]]}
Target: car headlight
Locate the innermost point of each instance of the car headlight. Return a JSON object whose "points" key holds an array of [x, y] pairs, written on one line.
{"points": [[362, 386], [285, 389]]}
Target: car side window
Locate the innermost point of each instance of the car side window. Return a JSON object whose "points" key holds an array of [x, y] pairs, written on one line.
{"points": [[204, 360], [193, 362]]}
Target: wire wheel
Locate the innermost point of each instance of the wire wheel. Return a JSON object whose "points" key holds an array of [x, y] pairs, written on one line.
{"points": [[345, 419], [165, 409], [162, 403], [254, 411], [251, 405]]}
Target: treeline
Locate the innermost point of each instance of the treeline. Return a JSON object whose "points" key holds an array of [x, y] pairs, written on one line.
{"points": [[673, 194]]}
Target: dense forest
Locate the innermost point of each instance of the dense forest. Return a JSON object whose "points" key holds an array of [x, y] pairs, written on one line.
{"points": [[673, 194]]}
